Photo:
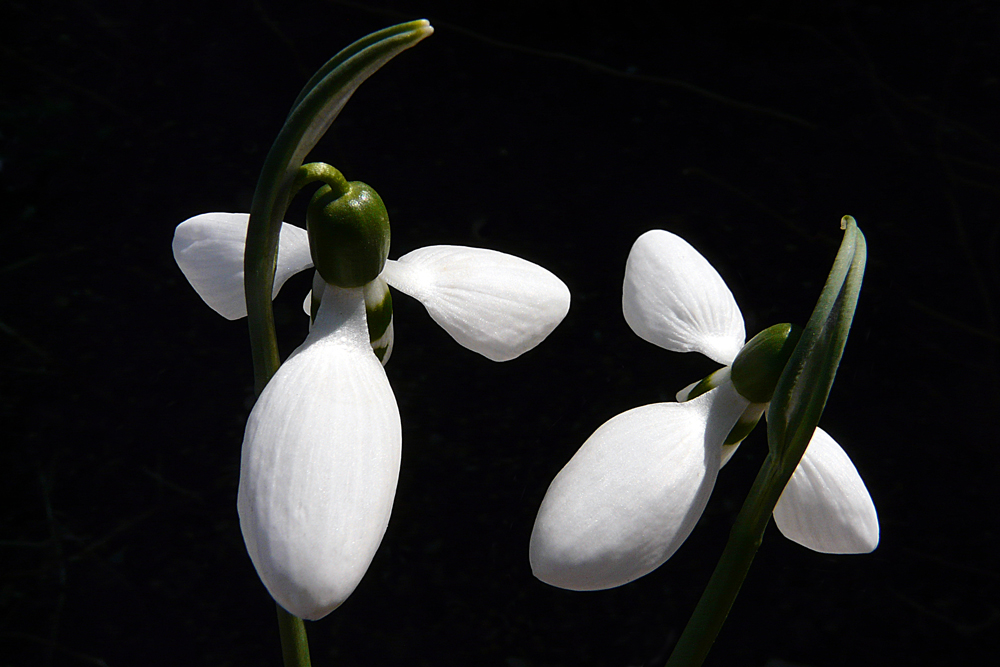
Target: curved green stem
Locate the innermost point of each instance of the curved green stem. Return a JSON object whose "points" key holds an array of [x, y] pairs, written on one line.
{"points": [[717, 599], [294, 642], [322, 172], [792, 417]]}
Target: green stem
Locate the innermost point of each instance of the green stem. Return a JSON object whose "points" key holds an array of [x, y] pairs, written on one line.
{"points": [[744, 539], [294, 643], [319, 171]]}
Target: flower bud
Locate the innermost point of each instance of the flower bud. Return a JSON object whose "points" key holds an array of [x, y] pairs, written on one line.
{"points": [[348, 234], [758, 366]]}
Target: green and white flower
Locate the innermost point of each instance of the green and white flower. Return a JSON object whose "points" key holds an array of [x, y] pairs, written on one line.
{"points": [[636, 488], [321, 451]]}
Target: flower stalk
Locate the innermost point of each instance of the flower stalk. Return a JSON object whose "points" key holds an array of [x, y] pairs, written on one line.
{"points": [[294, 642], [792, 418]]}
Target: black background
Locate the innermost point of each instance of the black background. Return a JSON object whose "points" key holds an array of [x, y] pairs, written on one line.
{"points": [[556, 131]]}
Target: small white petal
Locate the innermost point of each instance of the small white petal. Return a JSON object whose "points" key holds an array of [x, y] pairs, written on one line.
{"points": [[495, 304], [209, 250], [825, 505], [633, 492], [307, 303], [320, 463], [673, 298]]}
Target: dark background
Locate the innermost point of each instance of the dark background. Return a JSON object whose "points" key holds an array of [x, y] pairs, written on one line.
{"points": [[558, 132]]}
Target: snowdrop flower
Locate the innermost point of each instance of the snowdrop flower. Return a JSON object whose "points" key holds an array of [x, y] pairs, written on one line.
{"points": [[634, 491], [321, 450]]}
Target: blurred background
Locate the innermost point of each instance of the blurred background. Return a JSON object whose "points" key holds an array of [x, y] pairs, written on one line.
{"points": [[557, 131]]}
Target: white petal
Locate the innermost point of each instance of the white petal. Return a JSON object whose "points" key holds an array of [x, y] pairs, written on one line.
{"points": [[495, 304], [320, 463], [673, 298], [825, 505], [209, 248], [307, 303], [633, 492]]}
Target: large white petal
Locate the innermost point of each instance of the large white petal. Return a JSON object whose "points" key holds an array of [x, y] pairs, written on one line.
{"points": [[633, 492], [495, 304], [320, 462], [209, 250], [673, 298], [825, 505]]}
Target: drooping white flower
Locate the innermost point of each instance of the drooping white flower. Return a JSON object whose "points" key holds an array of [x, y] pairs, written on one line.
{"points": [[635, 489], [321, 450]]}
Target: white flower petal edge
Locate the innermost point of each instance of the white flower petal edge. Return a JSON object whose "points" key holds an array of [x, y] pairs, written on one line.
{"points": [[633, 492], [209, 250], [675, 299], [492, 303], [825, 505], [320, 463]]}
